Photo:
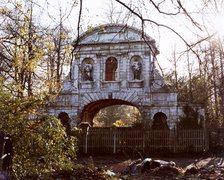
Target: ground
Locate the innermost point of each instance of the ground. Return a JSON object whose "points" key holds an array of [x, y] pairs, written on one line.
{"points": [[195, 167]]}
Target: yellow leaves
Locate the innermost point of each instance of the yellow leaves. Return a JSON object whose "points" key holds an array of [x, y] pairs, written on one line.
{"points": [[4, 10], [24, 31], [48, 83], [89, 28], [119, 123], [67, 50], [102, 28], [31, 65], [41, 52], [50, 46], [19, 5], [25, 60], [19, 88], [62, 34], [16, 62]]}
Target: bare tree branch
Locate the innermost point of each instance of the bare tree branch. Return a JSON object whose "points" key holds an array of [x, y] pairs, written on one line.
{"points": [[187, 14], [143, 20], [163, 12], [78, 34]]}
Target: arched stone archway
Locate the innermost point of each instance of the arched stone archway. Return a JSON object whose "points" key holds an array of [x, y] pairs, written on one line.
{"points": [[119, 70], [160, 121], [90, 110]]}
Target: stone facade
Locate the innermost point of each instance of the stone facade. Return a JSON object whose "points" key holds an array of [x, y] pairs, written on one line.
{"points": [[115, 66]]}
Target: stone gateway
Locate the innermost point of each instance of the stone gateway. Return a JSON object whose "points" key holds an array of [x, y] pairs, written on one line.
{"points": [[115, 66]]}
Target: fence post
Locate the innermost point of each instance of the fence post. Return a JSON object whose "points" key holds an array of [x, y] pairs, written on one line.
{"points": [[85, 131], [1, 147], [86, 140], [206, 139], [175, 139], [142, 130], [114, 144]]}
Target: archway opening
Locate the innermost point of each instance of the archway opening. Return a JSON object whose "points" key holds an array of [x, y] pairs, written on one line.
{"points": [[118, 116], [160, 121], [111, 112]]}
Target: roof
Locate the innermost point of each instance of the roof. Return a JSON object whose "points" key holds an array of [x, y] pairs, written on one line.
{"points": [[113, 33]]}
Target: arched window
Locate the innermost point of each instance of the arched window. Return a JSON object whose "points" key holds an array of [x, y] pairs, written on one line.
{"points": [[160, 121], [111, 67]]}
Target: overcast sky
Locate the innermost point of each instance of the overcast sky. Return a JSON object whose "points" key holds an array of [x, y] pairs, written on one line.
{"points": [[95, 12]]}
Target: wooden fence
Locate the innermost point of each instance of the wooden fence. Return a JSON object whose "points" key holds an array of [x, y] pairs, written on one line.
{"points": [[115, 140]]}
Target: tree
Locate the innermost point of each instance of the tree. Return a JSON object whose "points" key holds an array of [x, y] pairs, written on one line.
{"points": [[190, 119], [40, 144], [204, 84], [34, 57], [213, 53], [21, 48], [56, 62]]}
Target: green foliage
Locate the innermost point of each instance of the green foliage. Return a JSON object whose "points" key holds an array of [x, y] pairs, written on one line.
{"points": [[45, 148], [21, 46], [29, 57], [36, 58], [190, 119], [40, 144], [187, 94], [108, 116]]}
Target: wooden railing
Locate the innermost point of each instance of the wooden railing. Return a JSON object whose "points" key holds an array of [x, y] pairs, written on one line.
{"points": [[115, 140]]}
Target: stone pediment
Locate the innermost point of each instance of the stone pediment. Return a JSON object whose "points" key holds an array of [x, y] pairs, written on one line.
{"points": [[113, 34]]}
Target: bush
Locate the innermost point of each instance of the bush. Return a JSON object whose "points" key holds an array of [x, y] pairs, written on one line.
{"points": [[40, 145], [43, 148]]}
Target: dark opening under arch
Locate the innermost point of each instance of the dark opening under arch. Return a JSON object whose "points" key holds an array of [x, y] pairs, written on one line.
{"points": [[160, 121]]}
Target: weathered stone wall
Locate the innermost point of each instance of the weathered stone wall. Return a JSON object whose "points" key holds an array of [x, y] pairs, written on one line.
{"points": [[115, 66]]}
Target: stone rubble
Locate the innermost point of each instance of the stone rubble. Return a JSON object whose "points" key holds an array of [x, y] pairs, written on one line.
{"points": [[160, 169]]}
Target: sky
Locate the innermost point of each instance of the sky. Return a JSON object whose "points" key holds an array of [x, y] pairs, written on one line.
{"points": [[96, 12]]}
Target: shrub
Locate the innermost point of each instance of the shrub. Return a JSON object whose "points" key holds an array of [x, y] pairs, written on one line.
{"points": [[40, 145], [43, 148]]}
